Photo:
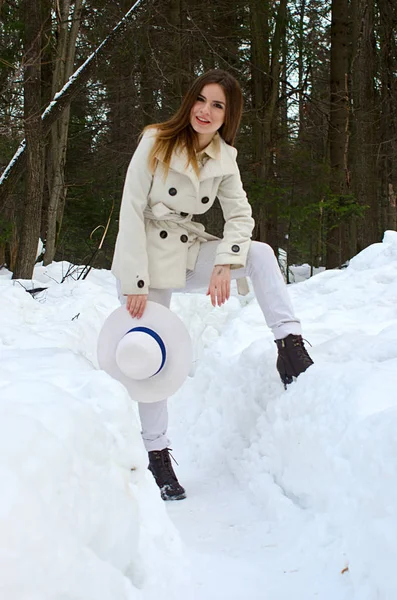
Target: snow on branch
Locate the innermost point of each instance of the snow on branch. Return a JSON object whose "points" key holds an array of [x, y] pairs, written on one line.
{"points": [[61, 100]]}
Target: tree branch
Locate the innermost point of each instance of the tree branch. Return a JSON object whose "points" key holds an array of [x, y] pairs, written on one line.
{"points": [[61, 100]]}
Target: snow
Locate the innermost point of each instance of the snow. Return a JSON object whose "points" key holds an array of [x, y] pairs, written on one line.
{"points": [[75, 521], [20, 150], [291, 494], [297, 273], [40, 248]]}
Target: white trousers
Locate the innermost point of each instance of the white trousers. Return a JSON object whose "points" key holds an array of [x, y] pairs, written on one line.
{"points": [[272, 296]]}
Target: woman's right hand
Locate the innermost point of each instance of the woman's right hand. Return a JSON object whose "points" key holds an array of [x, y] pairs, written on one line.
{"points": [[136, 304]]}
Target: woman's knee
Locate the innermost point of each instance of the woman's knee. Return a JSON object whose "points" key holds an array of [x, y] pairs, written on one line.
{"points": [[260, 253]]}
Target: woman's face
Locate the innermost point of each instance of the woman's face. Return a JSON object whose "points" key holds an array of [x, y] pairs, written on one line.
{"points": [[208, 112]]}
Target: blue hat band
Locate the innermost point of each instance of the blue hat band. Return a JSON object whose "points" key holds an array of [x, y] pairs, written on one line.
{"points": [[158, 339]]}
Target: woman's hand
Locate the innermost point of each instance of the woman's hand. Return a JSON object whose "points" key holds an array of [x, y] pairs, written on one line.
{"points": [[136, 304], [219, 287]]}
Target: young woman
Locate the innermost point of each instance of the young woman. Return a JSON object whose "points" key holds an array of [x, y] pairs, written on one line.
{"points": [[179, 169]]}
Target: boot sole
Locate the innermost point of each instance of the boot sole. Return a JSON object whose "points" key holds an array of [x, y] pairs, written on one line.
{"points": [[172, 498]]}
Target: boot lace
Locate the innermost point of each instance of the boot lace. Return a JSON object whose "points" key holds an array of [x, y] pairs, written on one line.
{"points": [[164, 458], [301, 351]]}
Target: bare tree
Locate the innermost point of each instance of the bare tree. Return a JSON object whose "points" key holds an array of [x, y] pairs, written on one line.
{"points": [[265, 70], [387, 150], [338, 128], [364, 126], [65, 54], [34, 141]]}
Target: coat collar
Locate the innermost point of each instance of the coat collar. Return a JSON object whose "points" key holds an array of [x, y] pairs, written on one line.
{"points": [[213, 150], [224, 164]]}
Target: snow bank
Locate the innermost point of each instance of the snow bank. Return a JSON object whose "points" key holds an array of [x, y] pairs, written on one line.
{"points": [[76, 522], [318, 459], [291, 494]]}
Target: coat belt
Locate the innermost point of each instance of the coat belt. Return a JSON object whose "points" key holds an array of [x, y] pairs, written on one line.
{"points": [[158, 213], [161, 212]]}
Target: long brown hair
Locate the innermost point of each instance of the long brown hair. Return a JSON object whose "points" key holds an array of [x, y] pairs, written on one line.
{"points": [[178, 133]]}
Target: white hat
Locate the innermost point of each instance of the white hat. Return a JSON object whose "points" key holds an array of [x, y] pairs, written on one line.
{"points": [[151, 356]]}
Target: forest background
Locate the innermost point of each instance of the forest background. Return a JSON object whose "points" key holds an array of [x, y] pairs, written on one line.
{"points": [[317, 146]]}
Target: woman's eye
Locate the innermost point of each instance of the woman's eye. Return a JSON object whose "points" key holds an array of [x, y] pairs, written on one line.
{"points": [[200, 99], [219, 105]]}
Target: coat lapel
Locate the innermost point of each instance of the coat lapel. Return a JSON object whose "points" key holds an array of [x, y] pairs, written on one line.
{"points": [[178, 163]]}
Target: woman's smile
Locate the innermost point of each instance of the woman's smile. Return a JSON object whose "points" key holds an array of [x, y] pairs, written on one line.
{"points": [[203, 121]]}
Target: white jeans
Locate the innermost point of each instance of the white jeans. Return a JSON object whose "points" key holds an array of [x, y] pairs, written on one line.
{"points": [[272, 296]]}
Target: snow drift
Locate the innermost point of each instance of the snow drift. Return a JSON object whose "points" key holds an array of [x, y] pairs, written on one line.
{"points": [[290, 494]]}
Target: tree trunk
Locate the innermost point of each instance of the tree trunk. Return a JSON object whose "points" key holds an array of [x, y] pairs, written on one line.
{"points": [[260, 51], [272, 121], [364, 121], [387, 150], [338, 129], [301, 46], [34, 141], [59, 132], [265, 73]]}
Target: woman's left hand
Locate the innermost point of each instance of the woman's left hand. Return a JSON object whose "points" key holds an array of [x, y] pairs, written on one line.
{"points": [[219, 287]]}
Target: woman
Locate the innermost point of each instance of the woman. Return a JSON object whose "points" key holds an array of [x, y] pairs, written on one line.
{"points": [[178, 170]]}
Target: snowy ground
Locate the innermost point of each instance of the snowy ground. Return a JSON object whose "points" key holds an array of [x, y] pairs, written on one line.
{"points": [[290, 494]]}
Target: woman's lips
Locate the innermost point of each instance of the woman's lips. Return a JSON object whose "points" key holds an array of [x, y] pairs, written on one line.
{"points": [[202, 122]]}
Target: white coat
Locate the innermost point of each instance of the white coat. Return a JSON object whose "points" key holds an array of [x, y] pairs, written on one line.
{"points": [[157, 240]]}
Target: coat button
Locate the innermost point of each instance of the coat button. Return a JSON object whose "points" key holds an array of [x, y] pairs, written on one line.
{"points": [[236, 248], [184, 238], [163, 234], [205, 200], [172, 191], [184, 214], [140, 283]]}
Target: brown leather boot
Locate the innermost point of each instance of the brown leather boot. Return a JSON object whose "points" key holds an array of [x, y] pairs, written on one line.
{"points": [[292, 359], [161, 467]]}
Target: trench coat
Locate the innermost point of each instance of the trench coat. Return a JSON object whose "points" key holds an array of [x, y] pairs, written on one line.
{"points": [[157, 241]]}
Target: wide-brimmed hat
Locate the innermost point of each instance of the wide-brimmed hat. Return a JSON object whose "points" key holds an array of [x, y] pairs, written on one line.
{"points": [[151, 356]]}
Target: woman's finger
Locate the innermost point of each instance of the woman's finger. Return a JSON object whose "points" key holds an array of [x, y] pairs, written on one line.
{"points": [[228, 289], [219, 290], [133, 310], [219, 293], [224, 291], [138, 308], [136, 305], [133, 307], [213, 294], [142, 307]]}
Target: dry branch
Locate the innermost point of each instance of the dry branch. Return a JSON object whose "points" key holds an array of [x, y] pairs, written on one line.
{"points": [[61, 100]]}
